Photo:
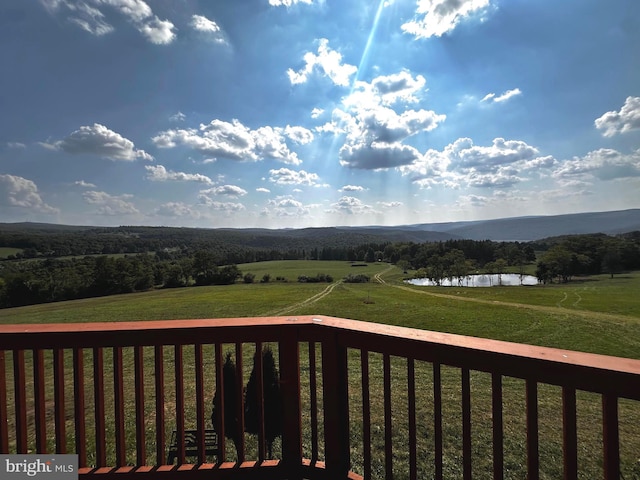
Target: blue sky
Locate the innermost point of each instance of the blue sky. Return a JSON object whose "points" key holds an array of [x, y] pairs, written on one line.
{"points": [[296, 113]]}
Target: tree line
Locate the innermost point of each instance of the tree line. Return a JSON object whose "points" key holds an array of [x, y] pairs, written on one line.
{"points": [[42, 279]]}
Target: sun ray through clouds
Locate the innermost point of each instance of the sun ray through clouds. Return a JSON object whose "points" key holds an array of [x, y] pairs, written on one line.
{"points": [[367, 48], [333, 151]]}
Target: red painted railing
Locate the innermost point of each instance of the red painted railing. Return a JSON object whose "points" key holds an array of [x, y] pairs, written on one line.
{"points": [[377, 400]]}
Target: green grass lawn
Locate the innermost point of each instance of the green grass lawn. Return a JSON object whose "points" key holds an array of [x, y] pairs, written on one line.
{"points": [[6, 251], [597, 314]]}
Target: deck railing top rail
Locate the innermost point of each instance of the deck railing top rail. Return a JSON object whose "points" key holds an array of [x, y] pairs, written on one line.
{"points": [[353, 333]]}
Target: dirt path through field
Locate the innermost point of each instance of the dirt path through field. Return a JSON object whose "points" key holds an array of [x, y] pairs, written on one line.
{"points": [[378, 276], [557, 310], [540, 308], [306, 302]]}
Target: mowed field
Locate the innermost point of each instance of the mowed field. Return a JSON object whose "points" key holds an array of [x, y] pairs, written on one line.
{"points": [[595, 314], [6, 251]]}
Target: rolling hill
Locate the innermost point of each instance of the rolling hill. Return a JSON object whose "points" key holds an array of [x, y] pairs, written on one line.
{"points": [[526, 229], [523, 229]]}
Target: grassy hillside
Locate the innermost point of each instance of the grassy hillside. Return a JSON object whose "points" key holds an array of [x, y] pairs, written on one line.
{"points": [[6, 251], [598, 315]]}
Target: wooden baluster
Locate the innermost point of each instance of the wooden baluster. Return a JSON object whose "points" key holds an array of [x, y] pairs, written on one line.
{"points": [[220, 405], [19, 381], [313, 400], [40, 406], [158, 370], [498, 433], [569, 433], [610, 437], [79, 406], [118, 401], [466, 424], [366, 413], [437, 419], [388, 426], [262, 445], [533, 459], [240, 404], [179, 385], [58, 398], [336, 407], [138, 360], [413, 436], [289, 359], [200, 415], [98, 396], [4, 431]]}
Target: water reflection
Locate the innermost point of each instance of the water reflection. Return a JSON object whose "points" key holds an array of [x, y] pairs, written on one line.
{"points": [[504, 279]]}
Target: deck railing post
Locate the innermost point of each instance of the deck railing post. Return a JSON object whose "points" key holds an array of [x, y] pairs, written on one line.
{"points": [[336, 407], [4, 431], [292, 411], [610, 436]]}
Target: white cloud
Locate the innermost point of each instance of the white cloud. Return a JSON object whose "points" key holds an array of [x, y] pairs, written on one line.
{"points": [[352, 188], [377, 156], [269, 143], [177, 210], [351, 206], [374, 130], [627, 119], [299, 135], [328, 61], [491, 97], [89, 16], [501, 164], [286, 202], [437, 17], [389, 205], [158, 31], [226, 190], [604, 164], [286, 176], [384, 125], [503, 178], [288, 3], [286, 206], [473, 200], [20, 192], [233, 141], [159, 173], [211, 28], [464, 155], [178, 117], [97, 139], [17, 145], [263, 190], [110, 204], [316, 112], [226, 208], [135, 10], [398, 86], [203, 24], [83, 184]]}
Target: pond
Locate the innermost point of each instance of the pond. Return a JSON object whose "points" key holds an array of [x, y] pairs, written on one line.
{"points": [[504, 279]]}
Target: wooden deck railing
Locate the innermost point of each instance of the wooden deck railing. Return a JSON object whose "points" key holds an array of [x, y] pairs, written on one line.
{"points": [[360, 400]]}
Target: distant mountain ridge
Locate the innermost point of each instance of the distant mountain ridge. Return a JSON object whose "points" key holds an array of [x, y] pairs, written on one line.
{"points": [[530, 228], [522, 229]]}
